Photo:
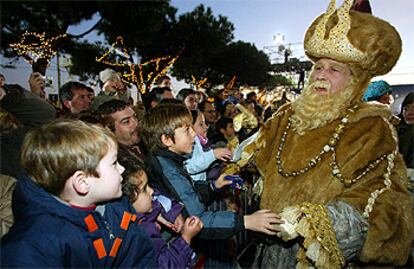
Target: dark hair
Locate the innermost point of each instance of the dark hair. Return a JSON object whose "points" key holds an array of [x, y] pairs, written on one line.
{"points": [[170, 101], [14, 96], [161, 79], [108, 108], [183, 93], [250, 95], [409, 99], [202, 105], [132, 167], [65, 92], [223, 122], [156, 94], [90, 117], [247, 102]]}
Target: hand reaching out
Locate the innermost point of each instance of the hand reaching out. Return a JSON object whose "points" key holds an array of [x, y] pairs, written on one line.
{"points": [[223, 154], [221, 182], [165, 222], [177, 226], [263, 221], [192, 226]]}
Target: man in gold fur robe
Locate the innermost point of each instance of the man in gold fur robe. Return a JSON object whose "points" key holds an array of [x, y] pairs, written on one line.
{"points": [[330, 162]]}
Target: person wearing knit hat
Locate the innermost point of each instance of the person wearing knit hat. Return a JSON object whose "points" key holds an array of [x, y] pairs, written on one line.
{"points": [[379, 91], [329, 161], [112, 88], [110, 82]]}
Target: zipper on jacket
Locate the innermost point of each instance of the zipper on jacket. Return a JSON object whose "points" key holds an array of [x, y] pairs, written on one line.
{"points": [[108, 228]]}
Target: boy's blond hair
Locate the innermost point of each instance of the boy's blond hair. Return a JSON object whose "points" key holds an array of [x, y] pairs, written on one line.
{"points": [[52, 153], [163, 120]]}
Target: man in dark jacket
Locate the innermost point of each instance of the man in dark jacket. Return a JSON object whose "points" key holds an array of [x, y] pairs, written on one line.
{"points": [[30, 111]]}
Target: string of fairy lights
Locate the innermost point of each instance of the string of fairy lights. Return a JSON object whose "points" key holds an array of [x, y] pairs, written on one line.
{"points": [[119, 43], [198, 83], [157, 67], [167, 61], [33, 46], [229, 86]]}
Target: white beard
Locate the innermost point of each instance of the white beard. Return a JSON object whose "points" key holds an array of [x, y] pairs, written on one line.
{"points": [[313, 110]]}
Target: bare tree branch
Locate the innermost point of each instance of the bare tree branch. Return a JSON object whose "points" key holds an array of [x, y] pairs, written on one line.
{"points": [[87, 32]]}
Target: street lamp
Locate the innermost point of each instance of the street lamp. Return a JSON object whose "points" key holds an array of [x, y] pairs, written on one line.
{"points": [[279, 38]]}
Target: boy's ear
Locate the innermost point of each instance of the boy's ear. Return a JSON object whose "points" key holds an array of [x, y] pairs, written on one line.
{"points": [[80, 182], [166, 140]]}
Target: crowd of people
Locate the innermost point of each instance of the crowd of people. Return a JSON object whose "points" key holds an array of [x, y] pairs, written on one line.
{"points": [[168, 181]]}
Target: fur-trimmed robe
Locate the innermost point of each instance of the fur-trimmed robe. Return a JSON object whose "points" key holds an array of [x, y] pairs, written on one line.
{"points": [[366, 137]]}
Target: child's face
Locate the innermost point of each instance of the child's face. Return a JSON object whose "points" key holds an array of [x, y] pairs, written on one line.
{"points": [[184, 140], [200, 126], [108, 185], [251, 108], [229, 131], [143, 203], [190, 102]]}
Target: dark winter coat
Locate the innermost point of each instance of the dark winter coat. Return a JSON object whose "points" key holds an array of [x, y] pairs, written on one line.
{"points": [[167, 174], [48, 233], [177, 253]]}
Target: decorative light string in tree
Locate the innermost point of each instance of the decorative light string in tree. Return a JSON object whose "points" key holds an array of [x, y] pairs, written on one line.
{"points": [[118, 45], [198, 83], [161, 65], [229, 86], [156, 67], [34, 46]]}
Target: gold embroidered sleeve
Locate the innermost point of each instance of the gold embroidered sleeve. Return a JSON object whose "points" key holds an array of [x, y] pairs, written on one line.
{"points": [[320, 246]]}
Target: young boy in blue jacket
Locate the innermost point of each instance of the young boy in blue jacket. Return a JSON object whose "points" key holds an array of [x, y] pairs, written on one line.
{"points": [[69, 210], [168, 134]]}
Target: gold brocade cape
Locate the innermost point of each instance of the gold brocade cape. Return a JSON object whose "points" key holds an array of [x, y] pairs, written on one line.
{"points": [[367, 136]]}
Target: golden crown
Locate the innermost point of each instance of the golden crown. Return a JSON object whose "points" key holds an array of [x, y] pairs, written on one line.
{"points": [[354, 38], [335, 43]]}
